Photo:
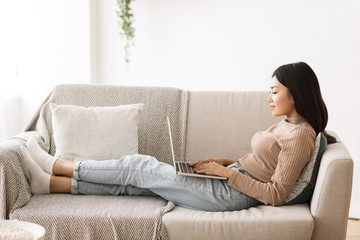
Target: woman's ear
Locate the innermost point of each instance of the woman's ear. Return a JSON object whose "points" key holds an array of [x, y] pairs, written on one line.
{"points": [[291, 98]]}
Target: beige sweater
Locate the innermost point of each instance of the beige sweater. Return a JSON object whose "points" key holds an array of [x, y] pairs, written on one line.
{"points": [[278, 156]]}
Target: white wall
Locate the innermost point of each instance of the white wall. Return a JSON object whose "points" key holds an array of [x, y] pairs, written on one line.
{"points": [[236, 45], [43, 43], [190, 44]]}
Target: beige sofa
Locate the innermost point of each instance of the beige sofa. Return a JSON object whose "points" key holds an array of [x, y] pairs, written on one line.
{"points": [[208, 124]]}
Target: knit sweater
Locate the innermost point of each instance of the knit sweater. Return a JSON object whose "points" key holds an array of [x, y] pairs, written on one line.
{"points": [[277, 158]]}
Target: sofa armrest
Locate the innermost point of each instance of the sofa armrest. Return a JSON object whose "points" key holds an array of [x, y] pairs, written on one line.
{"points": [[14, 187], [331, 199]]}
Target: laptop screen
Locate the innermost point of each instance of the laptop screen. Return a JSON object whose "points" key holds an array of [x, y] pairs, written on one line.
{"points": [[171, 142]]}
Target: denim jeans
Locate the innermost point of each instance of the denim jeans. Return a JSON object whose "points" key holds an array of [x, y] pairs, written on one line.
{"points": [[145, 175]]}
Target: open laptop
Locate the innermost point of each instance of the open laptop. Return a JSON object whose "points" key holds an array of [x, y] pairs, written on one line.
{"points": [[183, 168]]}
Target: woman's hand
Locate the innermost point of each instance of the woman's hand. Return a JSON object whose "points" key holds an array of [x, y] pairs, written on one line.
{"points": [[214, 166], [221, 161]]}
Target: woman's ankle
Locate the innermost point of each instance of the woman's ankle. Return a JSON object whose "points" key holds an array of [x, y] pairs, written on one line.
{"points": [[63, 168], [60, 184], [57, 167]]}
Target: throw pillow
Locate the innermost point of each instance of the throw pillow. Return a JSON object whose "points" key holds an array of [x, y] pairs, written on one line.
{"points": [[305, 185], [97, 133]]}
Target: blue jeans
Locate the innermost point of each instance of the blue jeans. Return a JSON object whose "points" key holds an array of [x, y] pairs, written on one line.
{"points": [[144, 175]]}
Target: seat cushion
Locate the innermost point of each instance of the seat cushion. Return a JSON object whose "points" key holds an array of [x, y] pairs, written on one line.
{"points": [[67, 216], [262, 222]]}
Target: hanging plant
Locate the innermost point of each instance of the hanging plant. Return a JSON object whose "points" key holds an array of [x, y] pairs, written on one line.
{"points": [[127, 32]]}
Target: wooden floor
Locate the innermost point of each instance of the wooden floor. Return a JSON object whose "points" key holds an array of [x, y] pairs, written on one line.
{"points": [[353, 230]]}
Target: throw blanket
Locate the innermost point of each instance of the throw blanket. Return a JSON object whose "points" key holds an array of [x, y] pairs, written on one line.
{"points": [[153, 140], [14, 187], [111, 217], [153, 131]]}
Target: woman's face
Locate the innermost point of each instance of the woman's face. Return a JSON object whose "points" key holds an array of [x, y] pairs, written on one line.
{"points": [[281, 102]]}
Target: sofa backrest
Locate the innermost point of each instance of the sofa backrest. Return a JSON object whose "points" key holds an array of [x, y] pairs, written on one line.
{"points": [[221, 124]]}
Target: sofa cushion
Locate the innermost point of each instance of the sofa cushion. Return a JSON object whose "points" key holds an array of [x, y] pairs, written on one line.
{"points": [[261, 222], [305, 185], [97, 133]]}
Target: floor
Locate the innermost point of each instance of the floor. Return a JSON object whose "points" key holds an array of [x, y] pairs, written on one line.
{"points": [[353, 230]]}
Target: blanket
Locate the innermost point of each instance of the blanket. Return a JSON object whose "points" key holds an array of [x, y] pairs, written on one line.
{"points": [[153, 132], [111, 217], [153, 141]]}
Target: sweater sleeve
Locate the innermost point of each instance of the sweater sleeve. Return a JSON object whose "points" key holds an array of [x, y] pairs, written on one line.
{"points": [[296, 150]]}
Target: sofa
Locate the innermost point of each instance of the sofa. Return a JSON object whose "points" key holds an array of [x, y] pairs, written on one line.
{"points": [[204, 124]]}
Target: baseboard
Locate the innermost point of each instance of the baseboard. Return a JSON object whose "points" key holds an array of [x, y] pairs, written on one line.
{"points": [[354, 211]]}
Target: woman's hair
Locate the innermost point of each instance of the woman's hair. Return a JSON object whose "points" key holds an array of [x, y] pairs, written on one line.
{"points": [[303, 86]]}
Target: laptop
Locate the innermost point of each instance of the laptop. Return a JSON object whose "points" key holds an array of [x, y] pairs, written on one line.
{"points": [[183, 168]]}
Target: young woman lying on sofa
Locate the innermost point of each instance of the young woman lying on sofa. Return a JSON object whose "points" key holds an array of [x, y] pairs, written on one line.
{"points": [[264, 176]]}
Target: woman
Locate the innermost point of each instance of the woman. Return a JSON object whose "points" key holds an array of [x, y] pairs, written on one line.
{"points": [[264, 176]]}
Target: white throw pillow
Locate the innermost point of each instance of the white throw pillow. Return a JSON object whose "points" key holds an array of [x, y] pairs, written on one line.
{"points": [[97, 133]]}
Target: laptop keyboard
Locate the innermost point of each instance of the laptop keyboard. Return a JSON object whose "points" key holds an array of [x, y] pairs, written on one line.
{"points": [[184, 167]]}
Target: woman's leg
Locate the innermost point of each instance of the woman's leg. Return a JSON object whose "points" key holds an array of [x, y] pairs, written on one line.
{"points": [[39, 180], [63, 168], [141, 173], [60, 184], [88, 188], [42, 158], [63, 184], [145, 172]]}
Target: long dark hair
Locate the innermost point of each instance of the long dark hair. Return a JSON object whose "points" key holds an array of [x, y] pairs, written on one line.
{"points": [[304, 87]]}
